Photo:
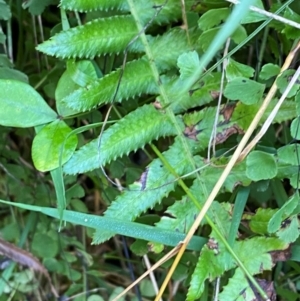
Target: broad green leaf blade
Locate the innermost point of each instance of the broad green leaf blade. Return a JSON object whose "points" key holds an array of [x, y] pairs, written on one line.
{"points": [[290, 230], [213, 17], [21, 106], [235, 69], [211, 264], [284, 79], [289, 154], [208, 36], [268, 71], [130, 133], [47, 145], [295, 128], [260, 247], [149, 190], [261, 166], [12, 74], [107, 35], [238, 289], [171, 11], [188, 63], [259, 222], [78, 74], [207, 92], [285, 211], [290, 31], [36, 7], [181, 215], [253, 17], [259, 261], [5, 13], [246, 90], [135, 230]]}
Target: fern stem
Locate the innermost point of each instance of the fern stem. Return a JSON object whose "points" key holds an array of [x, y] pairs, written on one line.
{"points": [[162, 91]]}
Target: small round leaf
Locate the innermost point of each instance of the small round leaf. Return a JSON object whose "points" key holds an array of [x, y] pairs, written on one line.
{"points": [[261, 166], [47, 145]]}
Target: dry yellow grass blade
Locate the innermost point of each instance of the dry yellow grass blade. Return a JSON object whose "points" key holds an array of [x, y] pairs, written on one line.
{"points": [[169, 255], [227, 170]]}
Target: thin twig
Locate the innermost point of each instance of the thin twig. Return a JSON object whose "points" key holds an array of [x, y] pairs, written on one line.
{"points": [[270, 15], [214, 130], [151, 275]]}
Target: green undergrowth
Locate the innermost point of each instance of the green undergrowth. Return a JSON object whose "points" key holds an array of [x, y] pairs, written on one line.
{"points": [[177, 110]]}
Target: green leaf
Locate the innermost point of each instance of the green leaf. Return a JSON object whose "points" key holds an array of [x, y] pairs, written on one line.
{"points": [[171, 11], [36, 7], [268, 71], [260, 259], [252, 16], [285, 211], [130, 133], [135, 230], [283, 81], [8, 73], [137, 78], [208, 36], [237, 289], [295, 128], [210, 265], [78, 74], [213, 17], [235, 69], [246, 90], [289, 154], [90, 5], [47, 145], [43, 245], [188, 63], [259, 222], [289, 232], [22, 106], [261, 166], [5, 13], [290, 31], [107, 35], [140, 196]]}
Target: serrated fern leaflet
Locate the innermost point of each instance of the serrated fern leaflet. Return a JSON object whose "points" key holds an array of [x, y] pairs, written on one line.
{"points": [[130, 133]]}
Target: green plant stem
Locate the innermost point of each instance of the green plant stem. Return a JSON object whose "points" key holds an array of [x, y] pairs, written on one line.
{"points": [[262, 51], [210, 222], [162, 91]]}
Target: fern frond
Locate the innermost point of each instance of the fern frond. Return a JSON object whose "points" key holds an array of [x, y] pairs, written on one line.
{"points": [[146, 8], [137, 79], [92, 5], [168, 47], [130, 133], [199, 96], [155, 189], [101, 36]]}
